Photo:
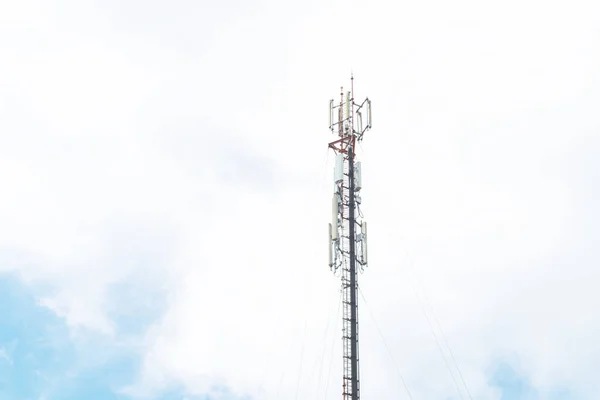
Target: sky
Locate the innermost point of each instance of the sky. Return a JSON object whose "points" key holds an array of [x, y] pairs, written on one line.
{"points": [[165, 190]]}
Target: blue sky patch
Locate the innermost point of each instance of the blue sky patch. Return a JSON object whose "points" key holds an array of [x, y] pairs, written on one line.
{"points": [[516, 386], [512, 384], [40, 361]]}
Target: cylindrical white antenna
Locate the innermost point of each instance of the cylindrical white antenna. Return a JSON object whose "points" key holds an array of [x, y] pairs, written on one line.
{"points": [[357, 176], [359, 122], [334, 218], [338, 173], [330, 114], [348, 104], [364, 241], [330, 244], [369, 113], [340, 119]]}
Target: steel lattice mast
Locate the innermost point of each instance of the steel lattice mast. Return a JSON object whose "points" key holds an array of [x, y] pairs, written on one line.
{"points": [[347, 233]]}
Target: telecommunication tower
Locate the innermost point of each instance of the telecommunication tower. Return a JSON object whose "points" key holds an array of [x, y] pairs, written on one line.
{"points": [[347, 230]]}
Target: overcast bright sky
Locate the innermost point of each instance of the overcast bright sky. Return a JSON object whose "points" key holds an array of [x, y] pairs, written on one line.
{"points": [[165, 189]]}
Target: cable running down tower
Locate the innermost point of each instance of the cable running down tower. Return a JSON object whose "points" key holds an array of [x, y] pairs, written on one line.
{"points": [[347, 231]]}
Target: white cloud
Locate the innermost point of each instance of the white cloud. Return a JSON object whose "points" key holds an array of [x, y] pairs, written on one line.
{"points": [[4, 355], [187, 144]]}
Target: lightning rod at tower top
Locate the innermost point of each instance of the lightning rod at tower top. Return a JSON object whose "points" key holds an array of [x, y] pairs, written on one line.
{"points": [[347, 231]]}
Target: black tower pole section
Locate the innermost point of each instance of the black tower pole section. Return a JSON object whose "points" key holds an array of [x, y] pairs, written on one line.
{"points": [[353, 285]]}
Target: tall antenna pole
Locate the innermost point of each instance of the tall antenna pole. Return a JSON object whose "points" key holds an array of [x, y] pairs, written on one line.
{"points": [[347, 249]]}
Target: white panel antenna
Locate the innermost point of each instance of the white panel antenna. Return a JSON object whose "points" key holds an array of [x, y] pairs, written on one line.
{"points": [[364, 242], [331, 114], [348, 104], [338, 175], [359, 122], [357, 176], [330, 248], [334, 217]]}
